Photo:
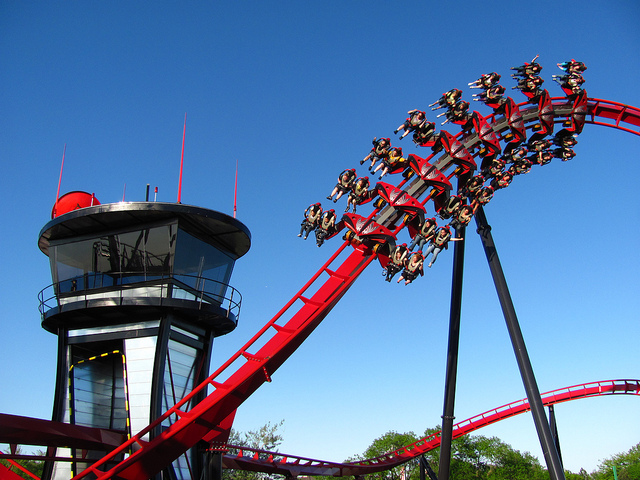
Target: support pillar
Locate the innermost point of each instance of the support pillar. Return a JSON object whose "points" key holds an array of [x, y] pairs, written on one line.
{"points": [[213, 469], [426, 470], [554, 431], [452, 357], [552, 459]]}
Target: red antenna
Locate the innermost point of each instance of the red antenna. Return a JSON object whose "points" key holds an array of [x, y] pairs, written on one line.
{"points": [[60, 180], [184, 132], [235, 191]]}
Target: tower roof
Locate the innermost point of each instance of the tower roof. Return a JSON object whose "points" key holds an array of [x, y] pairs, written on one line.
{"points": [[210, 226]]}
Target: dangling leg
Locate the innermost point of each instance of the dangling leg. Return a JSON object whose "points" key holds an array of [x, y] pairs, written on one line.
{"points": [[436, 251]]}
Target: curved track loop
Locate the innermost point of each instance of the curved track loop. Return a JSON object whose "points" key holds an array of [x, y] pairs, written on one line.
{"points": [[234, 383], [291, 466]]}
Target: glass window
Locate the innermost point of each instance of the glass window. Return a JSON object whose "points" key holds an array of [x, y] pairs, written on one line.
{"points": [[104, 261], [201, 261], [98, 393]]}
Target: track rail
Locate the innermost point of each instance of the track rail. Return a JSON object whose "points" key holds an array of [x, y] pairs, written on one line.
{"points": [[292, 466]]}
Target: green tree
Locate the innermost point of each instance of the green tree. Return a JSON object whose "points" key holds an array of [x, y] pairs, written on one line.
{"points": [[627, 466], [266, 437], [34, 466], [388, 443]]}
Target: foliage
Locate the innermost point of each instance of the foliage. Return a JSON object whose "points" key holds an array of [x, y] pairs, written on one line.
{"points": [[627, 466], [266, 437], [34, 466], [388, 443], [474, 457]]}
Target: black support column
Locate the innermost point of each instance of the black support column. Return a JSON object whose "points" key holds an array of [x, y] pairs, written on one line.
{"points": [[452, 357], [552, 459]]}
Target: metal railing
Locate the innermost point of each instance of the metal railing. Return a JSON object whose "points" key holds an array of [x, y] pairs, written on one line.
{"points": [[118, 286]]}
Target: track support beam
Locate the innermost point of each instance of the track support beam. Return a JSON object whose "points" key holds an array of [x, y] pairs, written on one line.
{"points": [[452, 357], [552, 459]]}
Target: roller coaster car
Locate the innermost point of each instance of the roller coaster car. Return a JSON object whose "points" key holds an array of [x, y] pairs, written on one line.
{"points": [[429, 174], [369, 233], [545, 116], [459, 154], [398, 199], [575, 123], [518, 133], [490, 143]]}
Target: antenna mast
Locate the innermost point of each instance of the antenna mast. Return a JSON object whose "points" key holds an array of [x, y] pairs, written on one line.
{"points": [[184, 131], [55, 212], [235, 191]]}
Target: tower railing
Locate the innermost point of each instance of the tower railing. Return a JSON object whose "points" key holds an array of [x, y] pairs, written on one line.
{"points": [[119, 287]]}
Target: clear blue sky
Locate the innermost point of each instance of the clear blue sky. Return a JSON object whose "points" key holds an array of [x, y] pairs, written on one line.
{"points": [[295, 92]]}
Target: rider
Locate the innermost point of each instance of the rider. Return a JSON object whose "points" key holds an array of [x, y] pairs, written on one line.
{"points": [[425, 134], [414, 122], [345, 181], [463, 216], [450, 207], [448, 99], [358, 193], [393, 161], [528, 69], [572, 66], [326, 226], [472, 187], [502, 180], [311, 219], [483, 197], [439, 242], [379, 151], [413, 267], [494, 168], [427, 230], [564, 154], [396, 261]]}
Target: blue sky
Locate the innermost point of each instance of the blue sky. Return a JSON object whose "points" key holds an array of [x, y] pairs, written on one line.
{"points": [[295, 91]]}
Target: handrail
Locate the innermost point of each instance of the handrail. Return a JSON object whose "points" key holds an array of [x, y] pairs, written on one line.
{"points": [[116, 284]]}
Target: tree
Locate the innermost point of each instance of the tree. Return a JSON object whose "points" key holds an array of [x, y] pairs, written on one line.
{"points": [[266, 437], [388, 443], [34, 466], [627, 466]]}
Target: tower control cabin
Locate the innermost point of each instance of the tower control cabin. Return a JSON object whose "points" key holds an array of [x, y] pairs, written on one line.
{"points": [[140, 290]]}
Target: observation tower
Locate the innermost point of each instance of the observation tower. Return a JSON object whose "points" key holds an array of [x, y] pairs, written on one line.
{"points": [[140, 291]]}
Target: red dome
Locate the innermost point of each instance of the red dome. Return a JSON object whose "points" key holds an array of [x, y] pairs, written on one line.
{"points": [[73, 201]]}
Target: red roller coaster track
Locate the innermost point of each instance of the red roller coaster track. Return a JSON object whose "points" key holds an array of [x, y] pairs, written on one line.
{"points": [[247, 370], [289, 465]]}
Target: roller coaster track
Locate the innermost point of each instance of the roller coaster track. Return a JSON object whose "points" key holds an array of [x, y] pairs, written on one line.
{"points": [[292, 466], [261, 356], [206, 419]]}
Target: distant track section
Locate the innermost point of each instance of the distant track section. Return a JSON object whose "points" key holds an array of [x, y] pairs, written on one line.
{"points": [[292, 466]]}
